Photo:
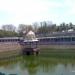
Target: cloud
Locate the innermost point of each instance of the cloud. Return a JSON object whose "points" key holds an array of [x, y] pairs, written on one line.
{"points": [[71, 4], [28, 11]]}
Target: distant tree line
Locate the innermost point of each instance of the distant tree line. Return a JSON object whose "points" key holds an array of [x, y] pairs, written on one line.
{"points": [[8, 34], [46, 29], [43, 28]]}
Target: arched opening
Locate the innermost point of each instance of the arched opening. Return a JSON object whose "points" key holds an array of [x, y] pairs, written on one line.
{"points": [[37, 52], [28, 53]]}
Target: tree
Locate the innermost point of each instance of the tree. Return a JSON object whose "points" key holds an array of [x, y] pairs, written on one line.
{"points": [[43, 29], [63, 27], [29, 27], [4, 33], [35, 27], [8, 27], [23, 29], [71, 25]]}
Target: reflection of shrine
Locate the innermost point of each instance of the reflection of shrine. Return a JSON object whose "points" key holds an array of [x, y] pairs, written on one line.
{"points": [[30, 43]]}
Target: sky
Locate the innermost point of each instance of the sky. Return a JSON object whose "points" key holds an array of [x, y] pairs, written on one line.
{"points": [[30, 11]]}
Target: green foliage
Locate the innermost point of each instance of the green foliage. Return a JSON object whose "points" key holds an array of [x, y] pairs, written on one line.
{"points": [[22, 29], [8, 33], [46, 29], [42, 29]]}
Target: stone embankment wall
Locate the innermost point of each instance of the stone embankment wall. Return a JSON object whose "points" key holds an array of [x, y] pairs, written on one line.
{"points": [[8, 49], [6, 46], [57, 46], [57, 50]]}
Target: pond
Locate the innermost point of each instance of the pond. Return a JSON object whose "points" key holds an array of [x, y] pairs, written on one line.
{"points": [[37, 65]]}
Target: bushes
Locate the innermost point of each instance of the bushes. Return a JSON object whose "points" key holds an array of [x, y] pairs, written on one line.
{"points": [[8, 33]]}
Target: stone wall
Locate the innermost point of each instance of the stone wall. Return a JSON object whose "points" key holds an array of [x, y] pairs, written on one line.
{"points": [[6, 46], [9, 49], [57, 46]]}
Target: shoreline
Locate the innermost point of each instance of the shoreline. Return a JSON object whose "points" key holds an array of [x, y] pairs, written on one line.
{"points": [[12, 49], [55, 46], [9, 54]]}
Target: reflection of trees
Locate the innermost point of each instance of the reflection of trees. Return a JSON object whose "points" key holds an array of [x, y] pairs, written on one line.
{"points": [[33, 64], [9, 63], [47, 64]]}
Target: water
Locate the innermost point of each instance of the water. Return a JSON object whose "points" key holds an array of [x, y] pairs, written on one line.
{"points": [[34, 65]]}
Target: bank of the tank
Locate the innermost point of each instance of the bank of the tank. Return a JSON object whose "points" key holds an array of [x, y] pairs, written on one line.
{"points": [[57, 50], [9, 49], [56, 46], [14, 48]]}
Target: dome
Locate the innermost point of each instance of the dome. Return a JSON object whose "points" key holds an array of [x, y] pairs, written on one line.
{"points": [[30, 33], [30, 36]]}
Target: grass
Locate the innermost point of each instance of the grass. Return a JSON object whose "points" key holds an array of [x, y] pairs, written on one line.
{"points": [[9, 54], [46, 52], [58, 52]]}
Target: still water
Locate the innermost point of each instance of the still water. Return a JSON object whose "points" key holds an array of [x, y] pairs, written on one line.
{"points": [[37, 65]]}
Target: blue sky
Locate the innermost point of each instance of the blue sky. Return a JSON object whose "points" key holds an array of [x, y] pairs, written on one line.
{"points": [[29, 11]]}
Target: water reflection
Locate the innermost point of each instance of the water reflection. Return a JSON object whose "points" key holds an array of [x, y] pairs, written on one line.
{"points": [[35, 65]]}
